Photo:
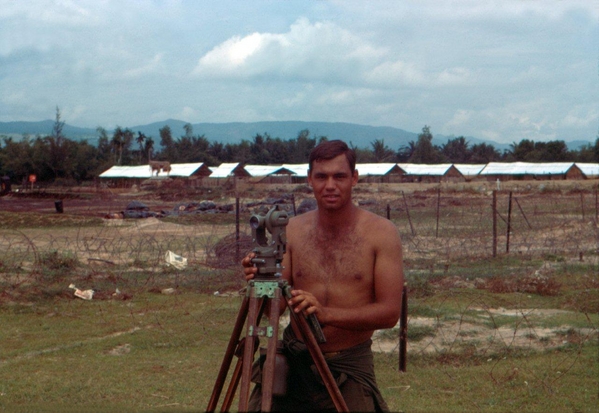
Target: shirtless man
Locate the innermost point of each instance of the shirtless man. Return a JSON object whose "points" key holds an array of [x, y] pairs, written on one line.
{"points": [[345, 266]]}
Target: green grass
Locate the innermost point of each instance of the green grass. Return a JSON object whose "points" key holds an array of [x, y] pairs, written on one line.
{"points": [[14, 220], [164, 350], [157, 352], [564, 381]]}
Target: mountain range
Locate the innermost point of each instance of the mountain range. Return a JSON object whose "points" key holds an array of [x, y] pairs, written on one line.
{"points": [[360, 136]]}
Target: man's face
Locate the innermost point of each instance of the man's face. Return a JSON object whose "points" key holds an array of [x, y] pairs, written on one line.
{"points": [[332, 182]]}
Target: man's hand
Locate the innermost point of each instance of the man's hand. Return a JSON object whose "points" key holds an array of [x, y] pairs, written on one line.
{"points": [[305, 301], [248, 268]]}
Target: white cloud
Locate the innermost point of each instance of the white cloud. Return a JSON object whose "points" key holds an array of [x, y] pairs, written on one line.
{"points": [[187, 113], [145, 68], [73, 113], [231, 54], [396, 73], [580, 118], [454, 76], [344, 97], [516, 121], [461, 117], [319, 51]]}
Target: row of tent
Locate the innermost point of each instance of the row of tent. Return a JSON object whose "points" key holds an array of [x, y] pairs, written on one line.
{"points": [[374, 172]]}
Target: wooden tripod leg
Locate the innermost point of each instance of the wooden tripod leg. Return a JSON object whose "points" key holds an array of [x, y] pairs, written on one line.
{"points": [[236, 376], [248, 354], [228, 400], [271, 352], [319, 361], [226, 364]]}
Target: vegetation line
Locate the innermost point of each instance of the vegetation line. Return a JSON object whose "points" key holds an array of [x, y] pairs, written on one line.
{"points": [[36, 353]]}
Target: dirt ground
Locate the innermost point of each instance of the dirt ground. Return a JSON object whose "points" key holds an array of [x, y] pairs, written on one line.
{"points": [[97, 205], [474, 335]]}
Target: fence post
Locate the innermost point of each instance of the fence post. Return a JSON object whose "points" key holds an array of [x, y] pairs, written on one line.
{"points": [[403, 330], [388, 212], [509, 224], [596, 204], [236, 229], [494, 210], [438, 206]]}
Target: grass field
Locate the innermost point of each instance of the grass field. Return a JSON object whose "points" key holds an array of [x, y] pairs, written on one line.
{"points": [[514, 332], [162, 352]]}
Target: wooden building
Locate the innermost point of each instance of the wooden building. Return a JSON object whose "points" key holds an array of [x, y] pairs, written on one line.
{"points": [[528, 171], [431, 173], [379, 172], [192, 174]]}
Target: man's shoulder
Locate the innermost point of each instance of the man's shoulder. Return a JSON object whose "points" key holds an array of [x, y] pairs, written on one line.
{"points": [[371, 223], [298, 222]]}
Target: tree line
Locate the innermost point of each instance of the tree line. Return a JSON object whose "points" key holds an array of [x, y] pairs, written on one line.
{"points": [[56, 158]]}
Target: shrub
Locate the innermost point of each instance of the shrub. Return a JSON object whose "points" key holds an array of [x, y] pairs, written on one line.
{"points": [[54, 266]]}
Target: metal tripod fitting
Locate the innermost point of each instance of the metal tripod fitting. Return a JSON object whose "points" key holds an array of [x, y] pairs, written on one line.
{"points": [[262, 288]]}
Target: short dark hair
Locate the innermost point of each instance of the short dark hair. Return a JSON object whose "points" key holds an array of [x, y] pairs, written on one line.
{"points": [[328, 150]]}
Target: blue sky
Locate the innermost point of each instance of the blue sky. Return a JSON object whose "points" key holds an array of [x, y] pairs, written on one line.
{"points": [[498, 70]]}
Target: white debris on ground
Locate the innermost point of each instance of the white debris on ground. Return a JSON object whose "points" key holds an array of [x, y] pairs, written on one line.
{"points": [[175, 260], [83, 294]]}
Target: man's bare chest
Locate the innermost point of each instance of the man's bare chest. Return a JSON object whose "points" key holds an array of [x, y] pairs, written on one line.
{"points": [[332, 258]]}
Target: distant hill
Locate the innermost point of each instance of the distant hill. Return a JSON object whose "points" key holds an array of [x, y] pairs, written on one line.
{"points": [[43, 128], [234, 132]]}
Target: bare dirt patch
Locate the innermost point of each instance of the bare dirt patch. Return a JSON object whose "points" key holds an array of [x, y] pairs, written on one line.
{"points": [[454, 335]]}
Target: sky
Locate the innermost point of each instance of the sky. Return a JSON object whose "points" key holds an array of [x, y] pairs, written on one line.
{"points": [[501, 70]]}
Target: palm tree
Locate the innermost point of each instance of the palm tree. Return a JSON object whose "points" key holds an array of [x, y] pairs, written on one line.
{"points": [[405, 152], [117, 144], [140, 141], [381, 152], [149, 148]]}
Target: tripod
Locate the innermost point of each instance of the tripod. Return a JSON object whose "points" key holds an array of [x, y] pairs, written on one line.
{"points": [[260, 291]]}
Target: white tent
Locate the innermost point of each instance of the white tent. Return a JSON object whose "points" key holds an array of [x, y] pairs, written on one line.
{"points": [[377, 169], [526, 168], [590, 170], [468, 170], [266, 170], [300, 170]]}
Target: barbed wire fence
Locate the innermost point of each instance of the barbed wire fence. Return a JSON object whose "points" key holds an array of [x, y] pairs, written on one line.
{"points": [[459, 246]]}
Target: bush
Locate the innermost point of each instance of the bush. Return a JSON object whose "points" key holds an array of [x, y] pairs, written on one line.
{"points": [[57, 261], [535, 284]]}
